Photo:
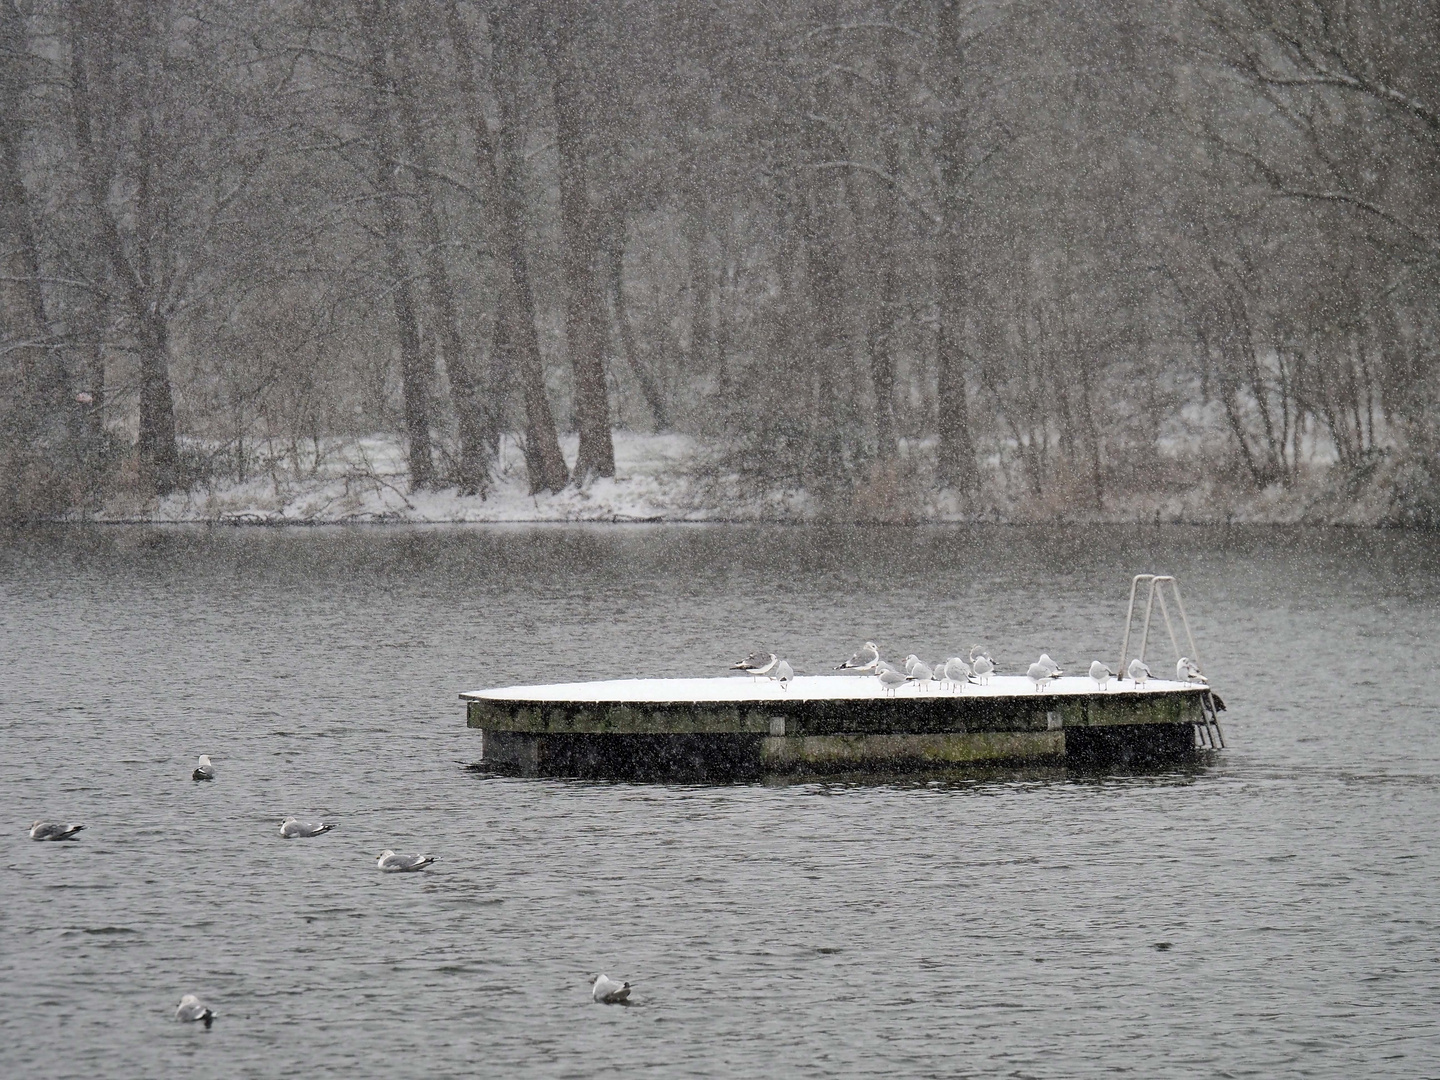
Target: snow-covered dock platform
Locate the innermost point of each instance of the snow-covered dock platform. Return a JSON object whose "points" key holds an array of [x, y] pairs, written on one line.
{"points": [[744, 728]]}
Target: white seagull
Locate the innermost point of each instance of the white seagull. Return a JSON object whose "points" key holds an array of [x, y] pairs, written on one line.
{"points": [[204, 770], [49, 830], [1046, 662], [192, 1008], [1186, 670], [1101, 673], [867, 659], [957, 671], [757, 663], [1039, 674], [609, 992], [891, 680], [784, 672], [1138, 672], [391, 863], [922, 673], [981, 664], [293, 827]]}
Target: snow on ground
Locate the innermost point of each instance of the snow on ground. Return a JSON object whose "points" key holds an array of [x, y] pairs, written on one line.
{"points": [[366, 480], [671, 477], [801, 688]]}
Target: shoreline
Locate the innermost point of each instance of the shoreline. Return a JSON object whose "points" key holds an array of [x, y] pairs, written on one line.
{"points": [[670, 479]]}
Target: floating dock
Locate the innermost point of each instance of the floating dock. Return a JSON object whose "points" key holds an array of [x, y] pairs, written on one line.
{"points": [[747, 727], [744, 728]]}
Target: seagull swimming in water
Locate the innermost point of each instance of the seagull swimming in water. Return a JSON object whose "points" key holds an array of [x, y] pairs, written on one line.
{"points": [[1138, 672], [1101, 673], [1186, 670], [293, 827], [192, 1008], [757, 663], [867, 659], [391, 863], [609, 992], [49, 830], [204, 770]]}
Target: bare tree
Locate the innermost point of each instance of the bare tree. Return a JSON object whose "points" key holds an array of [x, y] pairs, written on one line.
{"points": [[957, 450], [584, 326], [499, 161], [477, 442], [414, 370]]}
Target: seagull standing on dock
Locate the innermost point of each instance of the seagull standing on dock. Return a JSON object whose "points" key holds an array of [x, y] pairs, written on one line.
{"points": [[1102, 674], [909, 663], [1047, 663], [957, 672], [784, 672], [1186, 670], [922, 673], [48, 830], [891, 680], [609, 992], [391, 863], [1138, 672], [981, 664], [866, 660], [757, 663], [1039, 674], [204, 770]]}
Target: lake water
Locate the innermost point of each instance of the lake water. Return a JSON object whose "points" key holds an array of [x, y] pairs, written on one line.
{"points": [[1005, 924]]}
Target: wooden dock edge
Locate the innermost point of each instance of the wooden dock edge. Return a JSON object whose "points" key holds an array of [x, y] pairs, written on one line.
{"points": [[729, 757]]}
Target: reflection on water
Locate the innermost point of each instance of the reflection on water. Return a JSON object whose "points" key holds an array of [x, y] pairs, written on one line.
{"points": [[991, 922]]}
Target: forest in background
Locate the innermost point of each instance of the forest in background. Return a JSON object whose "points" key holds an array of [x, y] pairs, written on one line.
{"points": [[1082, 251]]}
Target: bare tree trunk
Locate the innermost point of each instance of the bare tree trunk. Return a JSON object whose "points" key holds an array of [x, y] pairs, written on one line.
{"points": [[956, 462], [697, 278], [500, 162], [141, 285], [157, 445], [475, 440], [725, 309], [880, 313], [583, 319], [649, 388], [414, 378], [820, 206], [92, 348], [44, 400]]}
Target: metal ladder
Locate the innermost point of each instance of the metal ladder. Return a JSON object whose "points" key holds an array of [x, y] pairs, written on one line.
{"points": [[1207, 732]]}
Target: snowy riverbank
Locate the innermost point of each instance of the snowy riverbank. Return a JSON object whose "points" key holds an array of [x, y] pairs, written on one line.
{"points": [[670, 477]]}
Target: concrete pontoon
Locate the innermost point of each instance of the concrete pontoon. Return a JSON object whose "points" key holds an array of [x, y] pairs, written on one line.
{"points": [[741, 727]]}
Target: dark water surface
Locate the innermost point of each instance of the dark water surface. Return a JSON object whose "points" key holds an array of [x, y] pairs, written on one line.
{"points": [[1004, 925]]}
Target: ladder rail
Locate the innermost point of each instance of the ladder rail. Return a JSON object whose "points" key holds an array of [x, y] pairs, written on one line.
{"points": [[1208, 733], [1169, 627], [1153, 595], [1129, 619], [1185, 622]]}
